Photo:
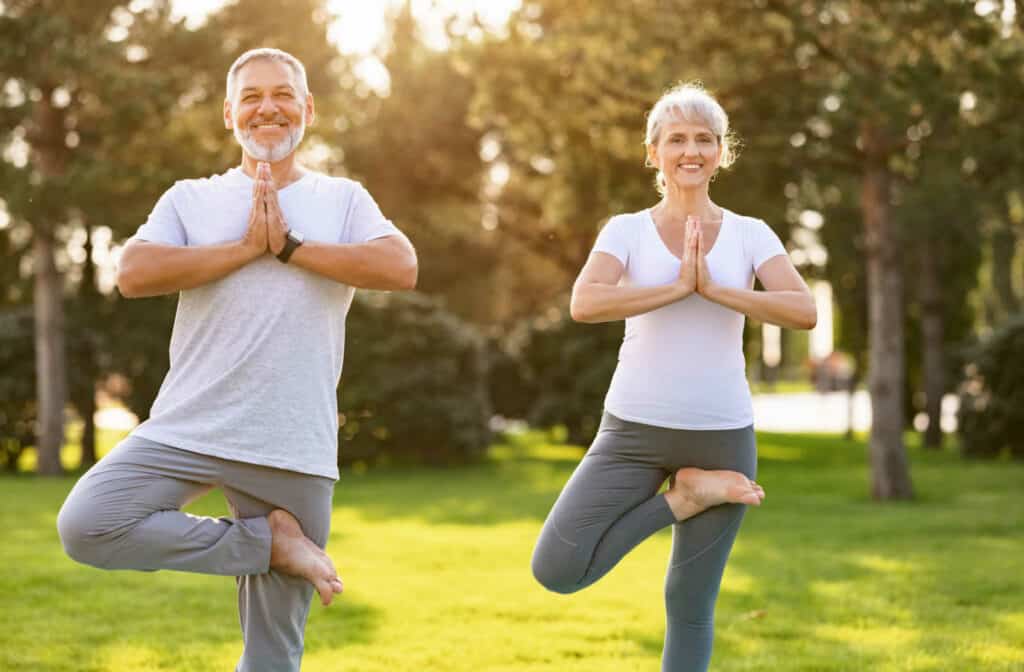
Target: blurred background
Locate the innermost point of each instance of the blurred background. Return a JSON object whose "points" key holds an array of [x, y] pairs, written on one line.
{"points": [[881, 140]]}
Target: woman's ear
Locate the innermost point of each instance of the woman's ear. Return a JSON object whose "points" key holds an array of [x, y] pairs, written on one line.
{"points": [[652, 156]]}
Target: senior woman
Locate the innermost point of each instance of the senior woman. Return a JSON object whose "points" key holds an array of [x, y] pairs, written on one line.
{"points": [[681, 275]]}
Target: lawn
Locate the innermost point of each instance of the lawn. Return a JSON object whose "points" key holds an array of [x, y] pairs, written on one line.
{"points": [[436, 565]]}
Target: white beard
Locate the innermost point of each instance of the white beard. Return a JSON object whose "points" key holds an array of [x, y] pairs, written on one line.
{"points": [[274, 153]]}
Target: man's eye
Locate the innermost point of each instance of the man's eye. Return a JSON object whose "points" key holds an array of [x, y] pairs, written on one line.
{"points": [[249, 99]]}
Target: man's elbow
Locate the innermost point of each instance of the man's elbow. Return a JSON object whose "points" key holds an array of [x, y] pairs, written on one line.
{"points": [[126, 284], [407, 275]]}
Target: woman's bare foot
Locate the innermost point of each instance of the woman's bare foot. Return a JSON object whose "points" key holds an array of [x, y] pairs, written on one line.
{"points": [[292, 552], [697, 489]]}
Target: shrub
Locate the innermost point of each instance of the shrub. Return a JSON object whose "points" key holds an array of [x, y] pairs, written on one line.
{"points": [[413, 386], [562, 375], [991, 417], [17, 385]]}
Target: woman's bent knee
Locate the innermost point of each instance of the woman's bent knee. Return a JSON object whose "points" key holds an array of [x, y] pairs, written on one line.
{"points": [[554, 578], [553, 566]]}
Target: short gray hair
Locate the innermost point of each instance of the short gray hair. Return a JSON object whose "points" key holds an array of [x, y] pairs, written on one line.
{"points": [[690, 101], [269, 54]]}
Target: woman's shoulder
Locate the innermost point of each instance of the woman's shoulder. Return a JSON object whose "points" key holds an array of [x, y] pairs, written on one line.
{"points": [[746, 221], [626, 223]]}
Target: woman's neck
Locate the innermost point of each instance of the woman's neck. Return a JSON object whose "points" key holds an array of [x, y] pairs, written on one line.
{"points": [[678, 205]]}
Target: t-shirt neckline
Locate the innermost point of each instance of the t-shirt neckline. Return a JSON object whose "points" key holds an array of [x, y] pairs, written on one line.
{"points": [[726, 214], [248, 180]]}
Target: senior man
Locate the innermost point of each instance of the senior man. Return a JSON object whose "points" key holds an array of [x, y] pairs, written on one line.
{"points": [[266, 257]]}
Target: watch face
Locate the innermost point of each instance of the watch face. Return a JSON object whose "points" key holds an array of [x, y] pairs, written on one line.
{"points": [[296, 236]]}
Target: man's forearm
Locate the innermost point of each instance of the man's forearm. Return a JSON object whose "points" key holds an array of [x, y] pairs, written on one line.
{"points": [[152, 269], [786, 308], [385, 263]]}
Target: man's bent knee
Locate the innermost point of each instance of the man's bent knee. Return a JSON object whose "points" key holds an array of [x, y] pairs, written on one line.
{"points": [[78, 536]]}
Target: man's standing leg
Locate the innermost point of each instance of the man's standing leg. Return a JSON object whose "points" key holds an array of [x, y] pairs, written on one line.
{"points": [[273, 606]]}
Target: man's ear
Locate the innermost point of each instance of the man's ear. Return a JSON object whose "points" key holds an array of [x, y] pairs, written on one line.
{"points": [[228, 121], [310, 112]]}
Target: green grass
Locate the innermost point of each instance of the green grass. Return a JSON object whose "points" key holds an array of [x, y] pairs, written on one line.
{"points": [[436, 565]]}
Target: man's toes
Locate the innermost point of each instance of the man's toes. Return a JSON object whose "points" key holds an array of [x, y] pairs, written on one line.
{"points": [[326, 591]]}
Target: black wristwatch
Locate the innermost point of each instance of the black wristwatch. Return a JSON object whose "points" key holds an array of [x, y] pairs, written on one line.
{"points": [[292, 239]]}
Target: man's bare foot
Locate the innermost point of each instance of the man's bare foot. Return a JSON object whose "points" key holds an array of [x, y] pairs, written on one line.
{"points": [[695, 490], [292, 552]]}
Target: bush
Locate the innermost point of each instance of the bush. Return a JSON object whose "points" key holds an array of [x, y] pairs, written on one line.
{"points": [[413, 386], [991, 417], [17, 385], [558, 374]]}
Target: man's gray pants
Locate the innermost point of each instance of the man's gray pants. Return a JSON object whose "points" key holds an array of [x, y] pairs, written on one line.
{"points": [[124, 513], [611, 504]]}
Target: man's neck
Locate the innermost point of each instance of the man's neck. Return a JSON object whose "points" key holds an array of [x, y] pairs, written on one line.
{"points": [[284, 172]]}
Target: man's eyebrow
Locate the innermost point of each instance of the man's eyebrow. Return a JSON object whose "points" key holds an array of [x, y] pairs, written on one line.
{"points": [[278, 86]]}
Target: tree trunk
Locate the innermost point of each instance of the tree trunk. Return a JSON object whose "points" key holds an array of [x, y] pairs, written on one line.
{"points": [[49, 154], [933, 364], [1004, 245], [86, 402], [890, 474], [51, 377]]}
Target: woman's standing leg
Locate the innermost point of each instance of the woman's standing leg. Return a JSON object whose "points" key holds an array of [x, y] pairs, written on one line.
{"points": [[700, 549]]}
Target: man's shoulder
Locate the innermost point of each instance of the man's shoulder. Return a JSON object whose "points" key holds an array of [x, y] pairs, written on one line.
{"points": [[210, 185], [333, 182]]}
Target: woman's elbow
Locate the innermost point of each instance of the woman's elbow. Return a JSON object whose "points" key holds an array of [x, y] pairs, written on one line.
{"points": [[810, 318], [580, 312]]}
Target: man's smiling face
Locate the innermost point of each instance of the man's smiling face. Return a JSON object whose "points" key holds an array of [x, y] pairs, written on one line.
{"points": [[268, 110]]}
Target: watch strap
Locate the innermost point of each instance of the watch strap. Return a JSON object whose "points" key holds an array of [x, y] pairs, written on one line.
{"points": [[290, 244]]}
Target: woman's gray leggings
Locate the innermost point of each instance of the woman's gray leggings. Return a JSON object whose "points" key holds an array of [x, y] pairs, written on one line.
{"points": [[611, 504]]}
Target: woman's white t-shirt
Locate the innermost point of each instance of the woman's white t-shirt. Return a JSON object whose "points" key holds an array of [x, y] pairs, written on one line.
{"points": [[681, 365]]}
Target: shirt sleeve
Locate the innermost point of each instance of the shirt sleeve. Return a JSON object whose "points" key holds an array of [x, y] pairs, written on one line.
{"points": [[766, 243], [164, 225], [614, 240], [365, 220]]}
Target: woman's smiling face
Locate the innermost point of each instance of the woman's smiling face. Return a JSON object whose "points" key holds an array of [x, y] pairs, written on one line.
{"points": [[687, 153]]}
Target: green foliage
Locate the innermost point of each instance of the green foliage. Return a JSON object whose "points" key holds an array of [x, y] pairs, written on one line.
{"points": [[17, 385], [991, 418], [558, 374], [414, 384]]}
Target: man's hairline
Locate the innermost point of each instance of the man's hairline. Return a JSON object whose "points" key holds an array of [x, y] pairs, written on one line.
{"points": [[294, 75]]}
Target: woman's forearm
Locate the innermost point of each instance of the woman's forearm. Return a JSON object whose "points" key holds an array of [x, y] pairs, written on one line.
{"points": [[601, 302], [793, 309]]}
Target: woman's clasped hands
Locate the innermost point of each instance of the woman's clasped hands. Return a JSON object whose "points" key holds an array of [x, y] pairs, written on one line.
{"points": [[694, 276]]}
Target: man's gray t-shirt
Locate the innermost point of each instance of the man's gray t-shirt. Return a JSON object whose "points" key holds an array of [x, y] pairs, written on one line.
{"points": [[256, 356]]}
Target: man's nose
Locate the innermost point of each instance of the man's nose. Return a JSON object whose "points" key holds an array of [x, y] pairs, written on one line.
{"points": [[266, 105]]}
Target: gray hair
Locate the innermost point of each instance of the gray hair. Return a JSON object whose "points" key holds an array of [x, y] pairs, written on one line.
{"points": [[269, 54], [694, 104]]}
